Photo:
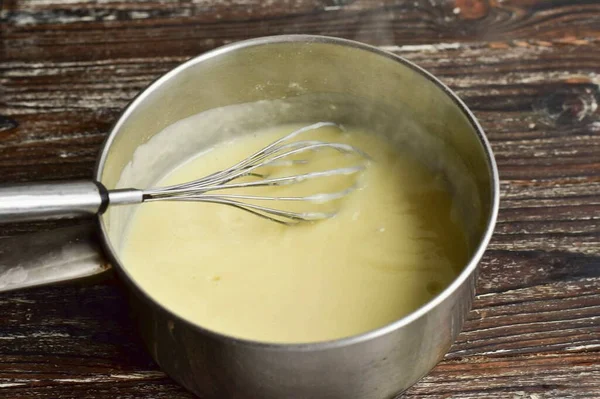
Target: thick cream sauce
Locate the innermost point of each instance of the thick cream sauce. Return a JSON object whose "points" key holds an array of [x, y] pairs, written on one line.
{"points": [[394, 244]]}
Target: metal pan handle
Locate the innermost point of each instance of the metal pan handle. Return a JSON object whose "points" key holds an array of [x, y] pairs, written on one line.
{"points": [[50, 257]]}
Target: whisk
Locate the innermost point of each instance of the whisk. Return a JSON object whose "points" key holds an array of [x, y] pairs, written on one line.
{"points": [[26, 202]]}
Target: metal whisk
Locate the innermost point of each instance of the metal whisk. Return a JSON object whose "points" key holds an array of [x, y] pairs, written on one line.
{"points": [[76, 199]]}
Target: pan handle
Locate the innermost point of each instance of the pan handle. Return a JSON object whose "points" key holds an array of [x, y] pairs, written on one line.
{"points": [[50, 257]]}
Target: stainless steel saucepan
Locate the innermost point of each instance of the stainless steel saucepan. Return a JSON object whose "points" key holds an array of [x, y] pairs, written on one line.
{"points": [[250, 85]]}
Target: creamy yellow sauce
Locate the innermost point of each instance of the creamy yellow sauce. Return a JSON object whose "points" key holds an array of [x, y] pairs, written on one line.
{"points": [[393, 245]]}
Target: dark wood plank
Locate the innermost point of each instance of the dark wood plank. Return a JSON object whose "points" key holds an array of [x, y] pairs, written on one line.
{"points": [[529, 70], [188, 27]]}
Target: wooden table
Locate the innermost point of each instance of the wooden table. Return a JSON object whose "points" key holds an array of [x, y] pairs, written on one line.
{"points": [[529, 69]]}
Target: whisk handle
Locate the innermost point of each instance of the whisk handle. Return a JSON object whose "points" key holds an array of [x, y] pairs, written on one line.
{"points": [[51, 200]]}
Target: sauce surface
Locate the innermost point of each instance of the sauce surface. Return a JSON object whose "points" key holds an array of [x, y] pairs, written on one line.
{"points": [[395, 243]]}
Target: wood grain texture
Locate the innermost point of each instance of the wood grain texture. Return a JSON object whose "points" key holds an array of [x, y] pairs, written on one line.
{"points": [[529, 69]]}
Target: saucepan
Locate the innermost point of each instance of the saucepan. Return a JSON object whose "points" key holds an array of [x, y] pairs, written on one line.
{"points": [[253, 84]]}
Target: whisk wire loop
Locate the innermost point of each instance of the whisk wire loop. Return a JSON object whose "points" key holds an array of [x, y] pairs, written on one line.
{"points": [[277, 155]]}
